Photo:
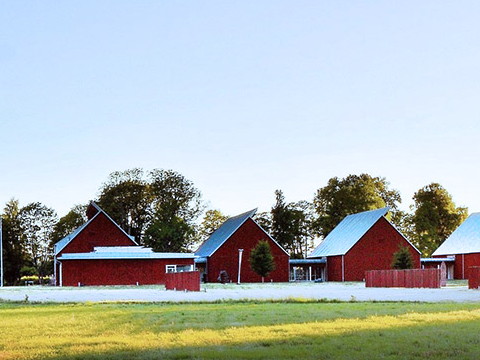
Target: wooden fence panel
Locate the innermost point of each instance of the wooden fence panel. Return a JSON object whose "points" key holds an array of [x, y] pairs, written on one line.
{"points": [[187, 280], [474, 278], [412, 278]]}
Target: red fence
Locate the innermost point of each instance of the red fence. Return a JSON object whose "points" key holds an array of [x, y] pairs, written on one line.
{"points": [[413, 278], [474, 278], [188, 280]]}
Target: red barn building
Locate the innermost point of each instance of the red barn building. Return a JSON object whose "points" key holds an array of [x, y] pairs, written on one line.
{"points": [[100, 252], [462, 246], [361, 242], [229, 247]]}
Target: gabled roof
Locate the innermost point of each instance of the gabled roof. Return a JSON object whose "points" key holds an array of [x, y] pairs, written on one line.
{"points": [[60, 245], [464, 240], [222, 234], [348, 232]]}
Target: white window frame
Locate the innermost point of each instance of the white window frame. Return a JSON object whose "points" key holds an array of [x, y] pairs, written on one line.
{"points": [[170, 267]]}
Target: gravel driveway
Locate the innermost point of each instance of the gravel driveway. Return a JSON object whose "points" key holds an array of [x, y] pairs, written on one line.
{"points": [[214, 292]]}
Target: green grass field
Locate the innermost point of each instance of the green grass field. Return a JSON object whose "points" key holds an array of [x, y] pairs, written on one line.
{"points": [[240, 330]]}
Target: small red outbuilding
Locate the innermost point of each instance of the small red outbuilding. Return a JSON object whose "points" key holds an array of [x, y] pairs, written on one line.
{"points": [[100, 252], [361, 242], [229, 247]]}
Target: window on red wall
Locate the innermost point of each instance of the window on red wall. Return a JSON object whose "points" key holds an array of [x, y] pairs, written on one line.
{"points": [[178, 268]]}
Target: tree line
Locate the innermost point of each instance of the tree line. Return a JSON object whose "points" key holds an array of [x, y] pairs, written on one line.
{"points": [[164, 210]]}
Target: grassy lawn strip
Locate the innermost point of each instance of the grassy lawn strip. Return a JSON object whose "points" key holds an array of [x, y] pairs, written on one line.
{"points": [[240, 330]]}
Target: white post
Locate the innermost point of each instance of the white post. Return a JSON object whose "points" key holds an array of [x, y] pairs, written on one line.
{"points": [[61, 275], [55, 270], [326, 270], [343, 269], [1, 254], [240, 253]]}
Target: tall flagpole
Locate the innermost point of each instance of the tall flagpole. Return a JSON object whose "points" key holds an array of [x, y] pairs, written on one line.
{"points": [[1, 253]]}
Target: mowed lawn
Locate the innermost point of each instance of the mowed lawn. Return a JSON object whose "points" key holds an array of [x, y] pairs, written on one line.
{"points": [[240, 330]]}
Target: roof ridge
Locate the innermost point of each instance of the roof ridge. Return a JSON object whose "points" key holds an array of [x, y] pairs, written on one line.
{"points": [[243, 214], [387, 208]]}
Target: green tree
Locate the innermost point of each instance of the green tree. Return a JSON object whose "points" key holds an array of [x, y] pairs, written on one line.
{"points": [[159, 208], [175, 207], [212, 220], [282, 228], [303, 221], [435, 217], [68, 223], [402, 259], [13, 253], [264, 219], [174, 194], [403, 221], [36, 224], [353, 194], [261, 259], [291, 225], [126, 197], [169, 234]]}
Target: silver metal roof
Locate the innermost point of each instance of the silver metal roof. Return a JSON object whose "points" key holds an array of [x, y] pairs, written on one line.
{"points": [[464, 240], [443, 259], [347, 233], [307, 261], [227, 229], [60, 245], [222, 234], [124, 252], [200, 260]]}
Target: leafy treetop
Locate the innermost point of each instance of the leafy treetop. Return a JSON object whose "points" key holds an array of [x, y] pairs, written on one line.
{"points": [[353, 194], [435, 217]]}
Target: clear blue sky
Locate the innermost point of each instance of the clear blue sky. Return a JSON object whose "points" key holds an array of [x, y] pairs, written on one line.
{"points": [[241, 97]]}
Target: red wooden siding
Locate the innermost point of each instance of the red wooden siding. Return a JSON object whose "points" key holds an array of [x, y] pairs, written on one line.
{"points": [[431, 265], [117, 272], [464, 263], [413, 278], [246, 238], [334, 268], [374, 251], [188, 280], [100, 232], [474, 278]]}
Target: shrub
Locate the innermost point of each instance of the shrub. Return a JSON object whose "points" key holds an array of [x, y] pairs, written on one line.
{"points": [[402, 259], [261, 259]]}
